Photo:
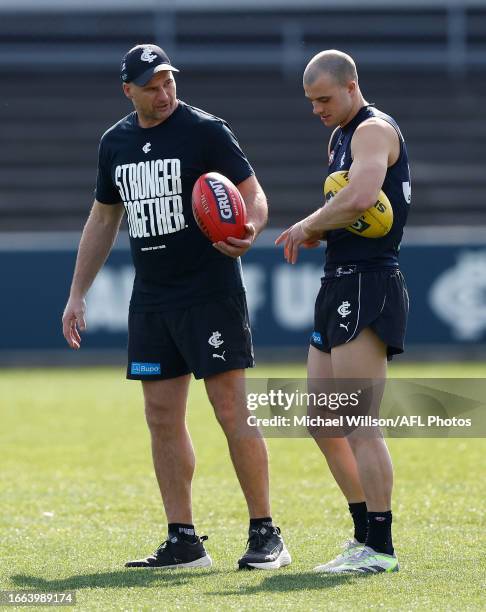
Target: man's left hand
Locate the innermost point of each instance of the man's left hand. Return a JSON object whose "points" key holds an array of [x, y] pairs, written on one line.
{"points": [[297, 236], [236, 247]]}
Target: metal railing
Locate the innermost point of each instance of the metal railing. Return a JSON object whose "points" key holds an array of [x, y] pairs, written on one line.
{"points": [[448, 35]]}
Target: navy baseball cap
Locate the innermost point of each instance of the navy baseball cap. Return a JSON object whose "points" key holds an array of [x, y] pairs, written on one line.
{"points": [[141, 63]]}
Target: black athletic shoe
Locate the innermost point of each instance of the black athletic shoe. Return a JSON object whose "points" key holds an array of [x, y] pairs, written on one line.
{"points": [[266, 549], [176, 552]]}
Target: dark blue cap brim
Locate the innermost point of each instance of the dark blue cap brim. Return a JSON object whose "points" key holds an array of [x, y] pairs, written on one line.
{"points": [[145, 77]]}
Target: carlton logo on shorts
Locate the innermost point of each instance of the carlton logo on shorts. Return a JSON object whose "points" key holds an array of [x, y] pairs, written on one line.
{"points": [[145, 369], [215, 340], [344, 309]]}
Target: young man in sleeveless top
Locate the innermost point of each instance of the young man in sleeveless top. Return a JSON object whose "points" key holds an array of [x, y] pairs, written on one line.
{"points": [[362, 307]]}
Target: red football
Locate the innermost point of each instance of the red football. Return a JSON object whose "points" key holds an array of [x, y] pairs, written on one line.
{"points": [[218, 207]]}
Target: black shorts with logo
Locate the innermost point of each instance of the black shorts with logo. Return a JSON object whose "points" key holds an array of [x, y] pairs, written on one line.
{"points": [[348, 303], [206, 339]]}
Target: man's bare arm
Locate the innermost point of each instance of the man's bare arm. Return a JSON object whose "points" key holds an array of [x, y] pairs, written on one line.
{"points": [[96, 242], [374, 148], [371, 147]]}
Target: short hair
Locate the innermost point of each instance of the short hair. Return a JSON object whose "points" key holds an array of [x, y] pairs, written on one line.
{"points": [[339, 65]]}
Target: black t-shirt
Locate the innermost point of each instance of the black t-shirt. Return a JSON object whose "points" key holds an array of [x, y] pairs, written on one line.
{"points": [[152, 171]]}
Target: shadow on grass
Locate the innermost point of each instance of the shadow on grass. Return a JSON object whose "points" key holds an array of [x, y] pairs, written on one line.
{"points": [[287, 582], [110, 580]]}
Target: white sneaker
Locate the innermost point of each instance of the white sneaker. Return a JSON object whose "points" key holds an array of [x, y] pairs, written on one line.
{"points": [[350, 548], [367, 561]]}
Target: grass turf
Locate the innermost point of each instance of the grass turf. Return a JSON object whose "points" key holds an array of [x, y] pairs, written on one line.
{"points": [[79, 497]]}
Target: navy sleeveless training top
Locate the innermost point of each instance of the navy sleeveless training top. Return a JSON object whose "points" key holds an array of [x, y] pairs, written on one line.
{"points": [[345, 248]]}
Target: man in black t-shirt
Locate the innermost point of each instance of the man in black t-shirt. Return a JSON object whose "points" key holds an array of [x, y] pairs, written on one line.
{"points": [[188, 309]]}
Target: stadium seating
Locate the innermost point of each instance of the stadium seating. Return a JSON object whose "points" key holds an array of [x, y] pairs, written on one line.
{"points": [[54, 111]]}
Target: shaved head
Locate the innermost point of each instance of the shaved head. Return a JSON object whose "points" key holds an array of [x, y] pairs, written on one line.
{"points": [[339, 65]]}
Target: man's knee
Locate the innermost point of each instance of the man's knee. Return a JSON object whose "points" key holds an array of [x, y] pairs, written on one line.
{"points": [[330, 446], [156, 415], [165, 403], [227, 396], [226, 411], [227, 407], [161, 416], [365, 439]]}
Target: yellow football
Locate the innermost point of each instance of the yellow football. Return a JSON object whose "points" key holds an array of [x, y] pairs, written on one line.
{"points": [[374, 222]]}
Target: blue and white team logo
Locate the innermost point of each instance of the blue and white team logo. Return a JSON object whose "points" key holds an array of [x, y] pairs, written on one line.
{"points": [[458, 296], [147, 147], [147, 55], [144, 369], [215, 340], [344, 309], [316, 338]]}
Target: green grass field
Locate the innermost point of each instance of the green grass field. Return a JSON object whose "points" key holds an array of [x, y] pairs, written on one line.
{"points": [[79, 497]]}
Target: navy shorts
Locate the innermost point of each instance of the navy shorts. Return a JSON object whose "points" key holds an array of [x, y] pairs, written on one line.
{"points": [[347, 304], [206, 339]]}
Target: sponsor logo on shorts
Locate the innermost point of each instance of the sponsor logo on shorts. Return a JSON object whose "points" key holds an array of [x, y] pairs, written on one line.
{"points": [[216, 356], [344, 309], [316, 338], [345, 326], [215, 340], [144, 369]]}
